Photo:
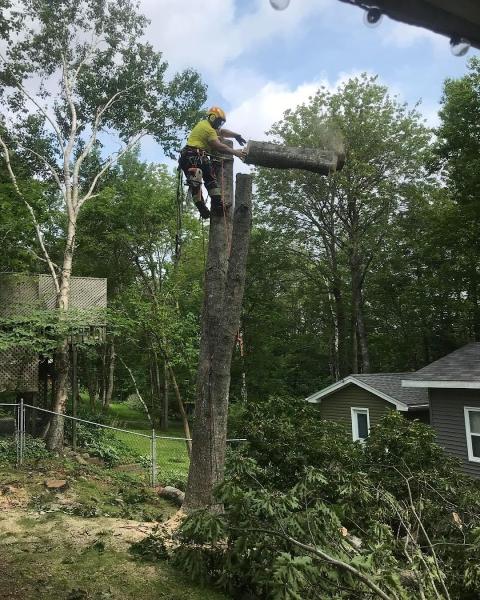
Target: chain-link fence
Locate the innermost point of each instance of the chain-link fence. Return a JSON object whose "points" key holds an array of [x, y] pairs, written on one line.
{"points": [[156, 458], [10, 443]]}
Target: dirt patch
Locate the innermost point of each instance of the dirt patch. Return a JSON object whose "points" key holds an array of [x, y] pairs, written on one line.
{"points": [[56, 556], [12, 496], [17, 525], [74, 544]]}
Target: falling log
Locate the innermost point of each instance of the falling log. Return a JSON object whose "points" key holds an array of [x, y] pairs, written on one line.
{"points": [[276, 156]]}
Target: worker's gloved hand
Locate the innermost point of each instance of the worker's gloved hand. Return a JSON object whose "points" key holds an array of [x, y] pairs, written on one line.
{"points": [[242, 141], [241, 154]]}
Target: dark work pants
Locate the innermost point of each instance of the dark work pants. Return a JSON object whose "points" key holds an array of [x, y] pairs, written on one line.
{"points": [[197, 158]]}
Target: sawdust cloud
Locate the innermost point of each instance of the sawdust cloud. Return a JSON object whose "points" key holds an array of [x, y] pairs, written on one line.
{"points": [[329, 137]]}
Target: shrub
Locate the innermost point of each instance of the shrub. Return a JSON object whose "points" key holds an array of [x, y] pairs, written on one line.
{"points": [[310, 514], [102, 443], [34, 449], [285, 435], [134, 403], [151, 548]]}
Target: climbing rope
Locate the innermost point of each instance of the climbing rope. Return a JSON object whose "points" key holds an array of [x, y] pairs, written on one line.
{"points": [[203, 247], [179, 208]]}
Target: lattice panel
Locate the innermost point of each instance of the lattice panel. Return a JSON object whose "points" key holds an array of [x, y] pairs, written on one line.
{"points": [[18, 294], [18, 371], [85, 293], [21, 293]]}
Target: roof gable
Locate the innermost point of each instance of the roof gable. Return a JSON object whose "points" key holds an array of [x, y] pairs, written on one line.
{"points": [[383, 385]]}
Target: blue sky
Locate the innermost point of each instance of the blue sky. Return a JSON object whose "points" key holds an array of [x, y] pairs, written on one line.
{"points": [[258, 62]]}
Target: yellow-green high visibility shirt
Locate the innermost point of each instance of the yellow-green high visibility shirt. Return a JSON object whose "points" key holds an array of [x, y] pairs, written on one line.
{"points": [[202, 135]]}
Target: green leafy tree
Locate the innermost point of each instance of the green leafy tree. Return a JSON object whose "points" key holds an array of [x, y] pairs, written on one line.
{"points": [[340, 222], [94, 77], [129, 236], [459, 148], [285, 321]]}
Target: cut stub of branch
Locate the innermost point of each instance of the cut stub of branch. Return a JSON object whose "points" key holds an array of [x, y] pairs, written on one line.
{"points": [[173, 494], [276, 156]]}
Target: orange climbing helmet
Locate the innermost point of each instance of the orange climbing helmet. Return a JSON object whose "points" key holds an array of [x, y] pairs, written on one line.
{"points": [[216, 116]]}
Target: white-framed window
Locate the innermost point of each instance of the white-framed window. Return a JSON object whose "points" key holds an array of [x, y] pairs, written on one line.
{"points": [[472, 431], [360, 424]]}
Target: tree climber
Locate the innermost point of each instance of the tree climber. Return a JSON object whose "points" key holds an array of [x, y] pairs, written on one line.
{"points": [[195, 160]]}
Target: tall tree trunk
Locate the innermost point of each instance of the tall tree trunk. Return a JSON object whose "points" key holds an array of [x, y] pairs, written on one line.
{"points": [[354, 343], [164, 415], [224, 286], [92, 388], [181, 407], [362, 335], [54, 439], [210, 422], [335, 341], [334, 285], [111, 376], [157, 388], [340, 326], [103, 375], [151, 370], [358, 322]]}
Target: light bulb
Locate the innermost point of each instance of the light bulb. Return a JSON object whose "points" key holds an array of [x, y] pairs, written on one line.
{"points": [[279, 4], [459, 46], [372, 17]]}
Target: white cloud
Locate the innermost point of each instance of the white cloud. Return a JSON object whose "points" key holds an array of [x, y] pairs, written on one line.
{"points": [[208, 34], [256, 114], [403, 36]]}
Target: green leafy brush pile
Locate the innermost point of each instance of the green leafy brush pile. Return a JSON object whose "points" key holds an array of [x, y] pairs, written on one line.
{"points": [[309, 514]]}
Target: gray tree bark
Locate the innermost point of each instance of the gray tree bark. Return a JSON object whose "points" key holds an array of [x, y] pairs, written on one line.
{"points": [[111, 376], [266, 154], [224, 287], [164, 416]]}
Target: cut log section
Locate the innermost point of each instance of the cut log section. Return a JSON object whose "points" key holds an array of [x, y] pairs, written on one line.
{"points": [[276, 156]]}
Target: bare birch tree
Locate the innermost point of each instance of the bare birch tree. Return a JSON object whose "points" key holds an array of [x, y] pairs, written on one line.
{"points": [[77, 68]]}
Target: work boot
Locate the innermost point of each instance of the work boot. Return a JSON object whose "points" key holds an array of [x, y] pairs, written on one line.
{"points": [[203, 210]]}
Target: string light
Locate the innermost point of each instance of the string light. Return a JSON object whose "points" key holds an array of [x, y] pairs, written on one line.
{"points": [[372, 17], [279, 4], [459, 46]]}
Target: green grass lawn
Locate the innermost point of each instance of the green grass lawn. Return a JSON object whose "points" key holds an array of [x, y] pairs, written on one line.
{"points": [[121, 415], [172, 457]]}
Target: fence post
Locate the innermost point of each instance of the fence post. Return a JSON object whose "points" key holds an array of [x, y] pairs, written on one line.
{"points": [[21, 419], [17, 432], [153, 450]]}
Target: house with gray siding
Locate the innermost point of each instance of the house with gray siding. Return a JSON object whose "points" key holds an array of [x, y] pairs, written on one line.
{"points": [[445, 394], [360, 401], [453, 387]]}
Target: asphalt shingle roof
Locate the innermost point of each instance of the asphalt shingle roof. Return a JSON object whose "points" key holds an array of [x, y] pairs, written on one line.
{"points": [[391, 384], [461, 365]]}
